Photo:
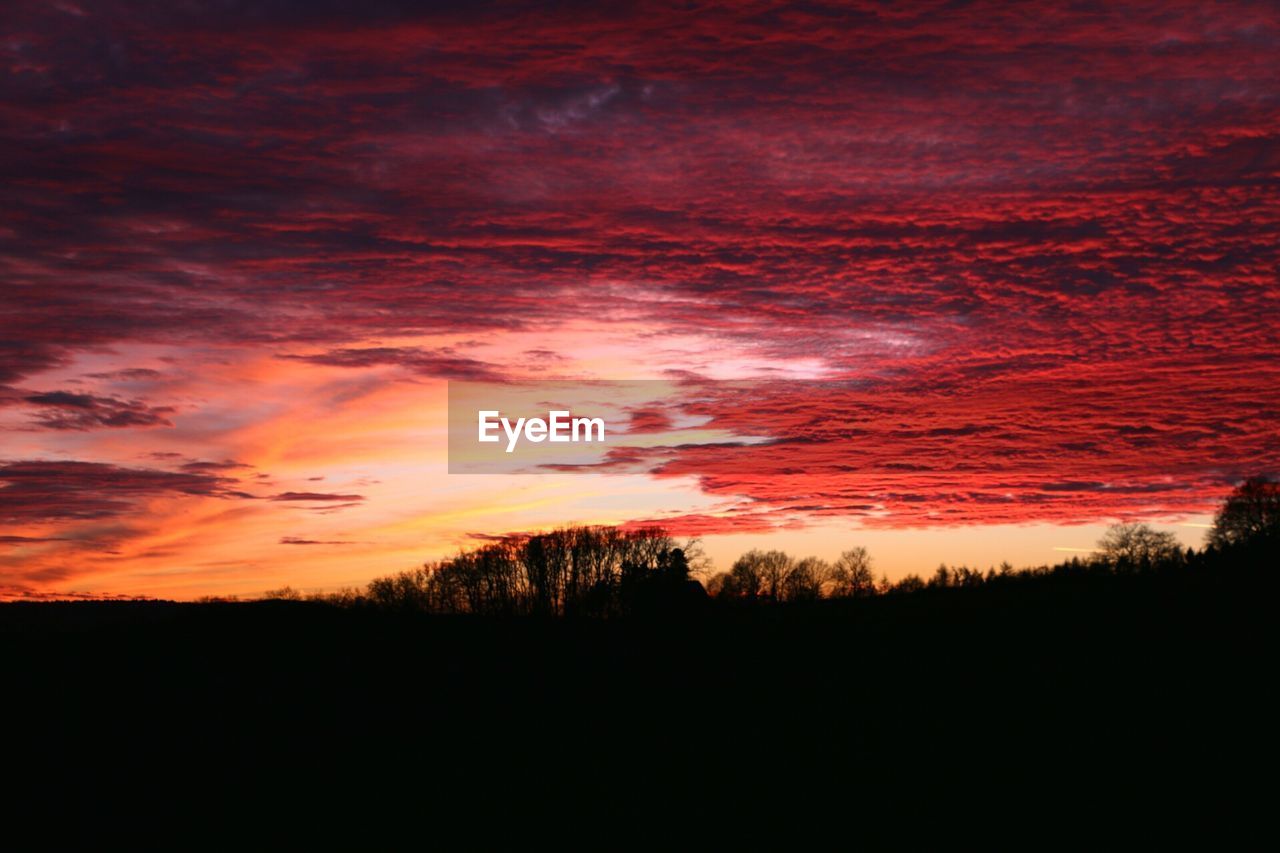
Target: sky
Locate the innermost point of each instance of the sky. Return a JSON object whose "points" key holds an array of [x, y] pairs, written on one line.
{"points": [[1005, 274]]}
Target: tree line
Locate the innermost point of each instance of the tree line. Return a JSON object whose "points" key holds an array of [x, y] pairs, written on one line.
{"points": [[601, 570], [1246, 530], [582, 570]]}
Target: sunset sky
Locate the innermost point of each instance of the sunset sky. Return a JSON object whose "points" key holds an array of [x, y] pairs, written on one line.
{"points": [[1010, 270]]}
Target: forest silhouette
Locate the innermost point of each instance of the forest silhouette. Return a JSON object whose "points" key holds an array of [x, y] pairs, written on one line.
{"points": [[601, 571], [585, 671]]}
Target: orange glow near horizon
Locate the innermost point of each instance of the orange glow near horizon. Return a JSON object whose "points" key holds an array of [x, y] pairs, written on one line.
{"points": [[380, 435]]}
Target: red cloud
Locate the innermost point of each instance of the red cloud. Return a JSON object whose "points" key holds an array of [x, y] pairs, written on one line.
{"points": [[441, 363], [55, 490], [74, 411], [1038, 254], [321, 497]]}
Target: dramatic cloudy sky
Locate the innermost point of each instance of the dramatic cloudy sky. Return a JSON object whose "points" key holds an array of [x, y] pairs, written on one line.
{"points": [[1031, 251]]}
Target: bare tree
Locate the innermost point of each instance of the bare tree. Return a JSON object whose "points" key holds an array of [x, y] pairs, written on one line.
{"points": [[699, 562], [774, 568], [579, 569], [758, 574], [744, 580], [1137, 544], [852, 574], [806, 579]]}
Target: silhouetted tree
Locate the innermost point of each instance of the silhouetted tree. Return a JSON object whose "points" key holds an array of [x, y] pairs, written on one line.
{"points": [[716, 584], [675, 566], [758, 574], [743, 580], [941, 577], [346, 596], [409, 590], [1134, 545], [696, 557], [805, 580], [852, 574], [1250, 515], [602, 571], [910, 583], [774, 566], [594, 570]]}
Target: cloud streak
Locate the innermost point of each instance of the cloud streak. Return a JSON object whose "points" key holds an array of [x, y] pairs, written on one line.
{"points": [[54, 490], [67, 410]]}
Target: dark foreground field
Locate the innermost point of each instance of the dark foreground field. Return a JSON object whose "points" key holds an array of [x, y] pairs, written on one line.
{"points": [[1081, 695]]}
